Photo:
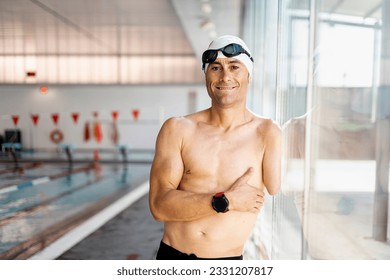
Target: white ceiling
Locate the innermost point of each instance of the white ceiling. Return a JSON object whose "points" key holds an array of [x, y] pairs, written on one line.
{"points": [[156, 30], [132, 28], [109, 27]]}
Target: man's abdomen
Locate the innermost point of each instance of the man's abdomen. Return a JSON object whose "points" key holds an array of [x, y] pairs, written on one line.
{"points": [[220, 235]]}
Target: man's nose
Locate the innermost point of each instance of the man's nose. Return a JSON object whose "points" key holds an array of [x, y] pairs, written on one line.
{"points": [[226, 75]]}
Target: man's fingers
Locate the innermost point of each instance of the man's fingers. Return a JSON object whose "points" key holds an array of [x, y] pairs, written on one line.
{"points": [[261, 194]]}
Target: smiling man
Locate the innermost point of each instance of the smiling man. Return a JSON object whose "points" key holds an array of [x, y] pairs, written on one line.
{"points": [[211, 168]]}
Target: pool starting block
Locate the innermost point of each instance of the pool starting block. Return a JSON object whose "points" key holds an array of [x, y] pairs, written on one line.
{"points": [[12, 148], [68, 149], [123, 149]]}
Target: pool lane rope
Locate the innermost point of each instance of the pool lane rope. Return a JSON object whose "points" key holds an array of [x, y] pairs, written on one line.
{"points": [[42, 180]]}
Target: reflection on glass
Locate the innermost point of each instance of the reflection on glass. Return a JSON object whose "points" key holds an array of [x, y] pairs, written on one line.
{"points": [[334, 203]]}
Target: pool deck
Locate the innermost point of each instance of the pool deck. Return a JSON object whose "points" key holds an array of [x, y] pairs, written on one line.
{"points": [[131, 235]]}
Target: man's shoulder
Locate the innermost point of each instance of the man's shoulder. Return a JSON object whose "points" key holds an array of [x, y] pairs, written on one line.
{"points": [[174, 121], [267, 126], [265, 123], [182, 123], [186, 121]]}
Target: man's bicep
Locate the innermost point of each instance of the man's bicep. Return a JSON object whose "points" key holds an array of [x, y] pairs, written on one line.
{"points": [[164, 180], [167, 168], [166, 172]]}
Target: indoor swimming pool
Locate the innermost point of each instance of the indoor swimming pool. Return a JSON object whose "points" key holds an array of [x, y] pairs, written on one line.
{"points": [[41, 203]]}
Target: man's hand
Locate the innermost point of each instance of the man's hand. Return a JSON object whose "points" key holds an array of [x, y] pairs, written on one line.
{"points": [[244, 197]]}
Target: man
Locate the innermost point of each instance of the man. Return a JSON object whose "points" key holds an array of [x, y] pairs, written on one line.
{"points": [[210, 167]]}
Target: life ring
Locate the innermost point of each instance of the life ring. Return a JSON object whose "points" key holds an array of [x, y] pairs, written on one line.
{"points": [[56, 136]]}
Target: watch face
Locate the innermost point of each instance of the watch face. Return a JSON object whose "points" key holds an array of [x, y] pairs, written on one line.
{"points": [[220, 203]]}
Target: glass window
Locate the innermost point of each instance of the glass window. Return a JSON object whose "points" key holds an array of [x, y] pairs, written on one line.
{"points": [[333, 105]]}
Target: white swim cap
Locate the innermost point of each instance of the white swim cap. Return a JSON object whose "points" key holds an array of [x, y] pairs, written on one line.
{"points": [[225, 40]]}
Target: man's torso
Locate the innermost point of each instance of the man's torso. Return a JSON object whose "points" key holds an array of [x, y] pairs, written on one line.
{"points": [[213, 160]]}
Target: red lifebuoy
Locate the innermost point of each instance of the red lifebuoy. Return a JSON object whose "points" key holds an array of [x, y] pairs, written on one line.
{"points": [[56, 136]]}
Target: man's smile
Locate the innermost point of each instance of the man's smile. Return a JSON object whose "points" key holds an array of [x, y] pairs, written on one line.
{"points": [[225, 87]]}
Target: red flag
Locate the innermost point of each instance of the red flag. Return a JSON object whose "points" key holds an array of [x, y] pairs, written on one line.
{"points": [[55, 118], [75, 117], [115, 115], [135, 113], [35, 118], [15, 119]]}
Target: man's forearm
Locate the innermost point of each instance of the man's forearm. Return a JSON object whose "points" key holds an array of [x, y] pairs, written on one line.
{"points": [[181, 206]]}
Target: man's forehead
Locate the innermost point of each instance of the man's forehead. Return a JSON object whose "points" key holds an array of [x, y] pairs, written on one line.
{"points": [[227, 60]]}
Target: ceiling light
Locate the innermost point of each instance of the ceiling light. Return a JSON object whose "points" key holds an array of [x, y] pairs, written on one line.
{"points": [[206, 8], [44, 90], [207, 24]]}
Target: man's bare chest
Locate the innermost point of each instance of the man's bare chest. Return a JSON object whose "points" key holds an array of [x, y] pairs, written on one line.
{"points": [[221, 156]]}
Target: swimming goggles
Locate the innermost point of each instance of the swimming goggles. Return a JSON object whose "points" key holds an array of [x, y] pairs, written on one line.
{"points": [[230, 50]]}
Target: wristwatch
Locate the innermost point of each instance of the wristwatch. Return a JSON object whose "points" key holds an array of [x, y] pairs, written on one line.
{"points": [[220, 203]]}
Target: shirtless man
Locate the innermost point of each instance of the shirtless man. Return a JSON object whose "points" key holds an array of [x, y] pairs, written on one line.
{"points": [[211, 167]]}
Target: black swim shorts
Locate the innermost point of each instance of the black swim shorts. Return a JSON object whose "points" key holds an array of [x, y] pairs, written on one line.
{"points": [[166, 252]]}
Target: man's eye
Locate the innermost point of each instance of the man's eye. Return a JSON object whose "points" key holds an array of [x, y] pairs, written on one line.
{"points": [[215, 68]]}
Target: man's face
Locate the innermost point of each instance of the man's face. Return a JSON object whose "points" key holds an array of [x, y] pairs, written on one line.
{"points": [[227, 82]]}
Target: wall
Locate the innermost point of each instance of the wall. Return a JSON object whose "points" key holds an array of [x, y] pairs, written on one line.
{"points": [[156, 103]]}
